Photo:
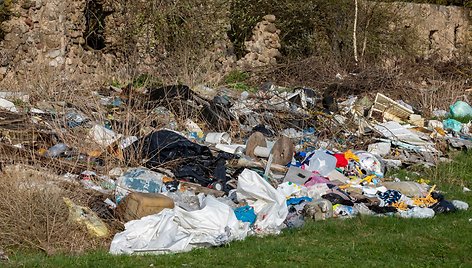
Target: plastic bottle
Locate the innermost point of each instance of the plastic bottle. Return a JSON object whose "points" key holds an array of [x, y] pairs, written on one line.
{"points": [[56, 150], [417, 212], [460, 205]]}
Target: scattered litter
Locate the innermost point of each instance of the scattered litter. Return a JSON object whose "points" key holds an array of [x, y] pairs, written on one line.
{"points": [[213, 166], [8, 105]]}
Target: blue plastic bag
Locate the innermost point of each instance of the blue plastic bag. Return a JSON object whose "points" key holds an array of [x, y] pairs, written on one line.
{"points": [[460, 109], [452, 124], [246, 214]]}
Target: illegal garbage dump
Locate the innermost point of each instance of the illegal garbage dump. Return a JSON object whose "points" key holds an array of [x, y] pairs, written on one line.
{"points": [[211, 169]]}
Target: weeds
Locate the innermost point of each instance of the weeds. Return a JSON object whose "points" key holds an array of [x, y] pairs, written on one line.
{"points": [[33, 215]]}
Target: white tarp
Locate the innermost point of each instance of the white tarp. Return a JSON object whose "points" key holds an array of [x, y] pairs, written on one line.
{"points": [[269, 205], [177, 230]]}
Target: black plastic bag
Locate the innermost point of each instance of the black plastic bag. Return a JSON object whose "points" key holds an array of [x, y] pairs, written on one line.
{"points": [[443, 206], [163, 146], [337, 199]]}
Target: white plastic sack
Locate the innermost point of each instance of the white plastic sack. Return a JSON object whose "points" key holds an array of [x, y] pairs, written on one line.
{"points": [[269, 205], [317, 190], [103, 136], [321, 162], [289, 189], [155, 233], [177, 230], [214, 224], [417, 212]]}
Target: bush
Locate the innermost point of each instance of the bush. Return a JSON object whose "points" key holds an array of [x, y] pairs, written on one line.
{"points": [[177, 35], [33, 215], [5, 14], [323, 27]]}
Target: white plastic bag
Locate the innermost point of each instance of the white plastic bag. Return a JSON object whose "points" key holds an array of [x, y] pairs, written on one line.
{"points": [[155, 233], [270, 205], [178, 230], [214, 224]]}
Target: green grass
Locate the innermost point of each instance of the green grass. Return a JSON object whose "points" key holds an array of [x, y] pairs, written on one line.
{"points": [[444, 241], [464, 119]]}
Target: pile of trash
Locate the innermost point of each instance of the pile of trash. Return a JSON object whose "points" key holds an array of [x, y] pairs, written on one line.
{"points": [[218, 166]]}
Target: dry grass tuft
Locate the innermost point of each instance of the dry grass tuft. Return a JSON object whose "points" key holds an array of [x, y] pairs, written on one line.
{"points": [[34, 216]]}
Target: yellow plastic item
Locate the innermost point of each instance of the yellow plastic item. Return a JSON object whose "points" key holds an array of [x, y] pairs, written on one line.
{"points": [[367, 179], [425, 201], [349, 155], [86, 216], [400, 205], [421, 181], [42, 151]]}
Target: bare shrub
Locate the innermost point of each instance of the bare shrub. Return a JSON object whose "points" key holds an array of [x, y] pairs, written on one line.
{"points": [[34, 216]]}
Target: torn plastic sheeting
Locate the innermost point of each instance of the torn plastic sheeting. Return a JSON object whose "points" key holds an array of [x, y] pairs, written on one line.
{"points": [[214, 224], [459, 143], [178, 230], [395, 131], [155, 233], [380, 148], [415, 148], [268, 203], [140, 180], [163, 146]]}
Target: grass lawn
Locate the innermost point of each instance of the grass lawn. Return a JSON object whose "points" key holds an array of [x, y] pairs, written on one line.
{"points": [[444, 241]]}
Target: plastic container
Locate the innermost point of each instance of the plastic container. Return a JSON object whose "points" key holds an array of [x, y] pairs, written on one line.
{"points": [[218, 137], [86, 216], [261, 151], [138, 205], [237, 149], [322, 163]]}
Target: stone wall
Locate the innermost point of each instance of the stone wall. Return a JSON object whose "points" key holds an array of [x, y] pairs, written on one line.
{"points": [[47, 36], [442, 31], [263, 47], [53, 38], [50, 37]]}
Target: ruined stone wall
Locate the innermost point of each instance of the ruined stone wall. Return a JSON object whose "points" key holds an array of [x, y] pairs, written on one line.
{"points": [[442, 31], [53, 37], [47, 36], [91, 41], [263, 47]]}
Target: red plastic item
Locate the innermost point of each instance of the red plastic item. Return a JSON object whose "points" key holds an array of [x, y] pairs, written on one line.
{"points": [[341, 160]]}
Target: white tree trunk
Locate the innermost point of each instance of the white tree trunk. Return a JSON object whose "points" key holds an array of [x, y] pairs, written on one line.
{"points": [[354, 32]]}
